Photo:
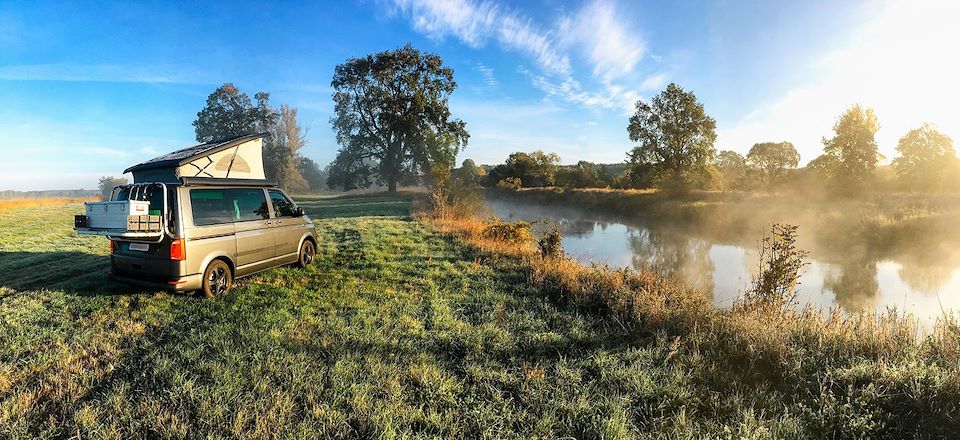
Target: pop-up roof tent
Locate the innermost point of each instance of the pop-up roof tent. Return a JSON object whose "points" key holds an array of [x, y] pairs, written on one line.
{"points": [[237, 158]]}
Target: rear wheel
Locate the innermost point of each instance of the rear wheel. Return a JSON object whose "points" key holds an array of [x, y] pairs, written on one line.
{"points": [[217, 279], [307, 253]]}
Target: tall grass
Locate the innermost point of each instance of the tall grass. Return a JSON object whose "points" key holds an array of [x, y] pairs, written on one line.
{"points": [[39, 202]]}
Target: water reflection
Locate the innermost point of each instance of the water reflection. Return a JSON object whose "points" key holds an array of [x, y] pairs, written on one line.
{"points": [[673, 254], [924, 285], [854, 284]]}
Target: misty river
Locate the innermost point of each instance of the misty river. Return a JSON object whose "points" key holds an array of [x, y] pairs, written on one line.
{"points": [[725, 270]]}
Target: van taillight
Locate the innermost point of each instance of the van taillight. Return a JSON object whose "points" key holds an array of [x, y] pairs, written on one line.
{"points": [[178, 250], [111, 246]]}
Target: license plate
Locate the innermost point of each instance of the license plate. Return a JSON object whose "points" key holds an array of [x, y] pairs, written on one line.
{"points": [[143, 247]]}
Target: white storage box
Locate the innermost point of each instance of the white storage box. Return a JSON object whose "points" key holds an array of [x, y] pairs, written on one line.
{"points": [[113, 215]]}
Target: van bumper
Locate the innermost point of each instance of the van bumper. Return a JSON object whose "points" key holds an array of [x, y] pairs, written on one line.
{"points": [[187, 283]]}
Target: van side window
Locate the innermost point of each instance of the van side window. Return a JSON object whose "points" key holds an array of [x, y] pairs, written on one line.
{"points": [[210, 206], [248, 204], [282, 206]]}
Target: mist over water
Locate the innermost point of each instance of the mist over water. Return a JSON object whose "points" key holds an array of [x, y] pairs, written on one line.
{"points": [[924, 285]]}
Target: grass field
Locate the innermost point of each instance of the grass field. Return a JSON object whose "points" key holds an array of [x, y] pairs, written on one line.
{"points": [[399, 331]]}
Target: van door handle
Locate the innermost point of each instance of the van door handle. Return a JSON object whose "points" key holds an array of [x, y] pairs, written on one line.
{"points": [[269, 223]]}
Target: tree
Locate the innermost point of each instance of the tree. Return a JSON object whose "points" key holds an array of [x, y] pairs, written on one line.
{"points": [[823, 165], [729, 160], [853, 147], [531, 169], [229, 113], [927, 159], [281, 151], [387, 106], [734, 169], [773, 158], [469, 174], [311, 172], [676, 137], [582, 175], [106, 185], [442, 150]]}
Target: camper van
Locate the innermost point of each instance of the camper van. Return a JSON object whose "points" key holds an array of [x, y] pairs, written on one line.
{"points": [[198, 218]]}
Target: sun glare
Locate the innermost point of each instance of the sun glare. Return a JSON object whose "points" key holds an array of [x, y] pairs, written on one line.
{"points": [[903, 64]]}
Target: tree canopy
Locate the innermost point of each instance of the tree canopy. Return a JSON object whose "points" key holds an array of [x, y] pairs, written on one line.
{"points": [[106, 185], [392, 119], [316, 178], [582, 175], [675, 136], [853, 148], [773, 158], [230, 113], [734, 169], [281, 152], [470, 174], [926, 160], [531, 169]]}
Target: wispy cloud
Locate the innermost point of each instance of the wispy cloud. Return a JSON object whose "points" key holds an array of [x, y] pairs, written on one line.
{"points": [[612, 96], [592, 33], [606, 42], [476, 22], [98, 73], [487, 73], [654, 82]]}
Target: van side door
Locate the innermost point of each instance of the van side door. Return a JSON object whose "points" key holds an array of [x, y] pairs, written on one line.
{"points": [[251, 218], [288, 227]]}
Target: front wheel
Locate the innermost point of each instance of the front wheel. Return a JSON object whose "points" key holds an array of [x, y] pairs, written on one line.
{"points": [[217, 279], [307, 253]]}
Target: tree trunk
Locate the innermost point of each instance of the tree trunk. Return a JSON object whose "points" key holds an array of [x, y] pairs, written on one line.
{"points": [[392, 186]]}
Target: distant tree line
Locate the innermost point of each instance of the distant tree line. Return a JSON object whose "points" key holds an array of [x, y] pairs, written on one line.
{"points": [[527, 170], [675, 150]]}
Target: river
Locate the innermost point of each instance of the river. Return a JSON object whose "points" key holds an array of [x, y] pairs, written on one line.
{"points": [[724, 270]]}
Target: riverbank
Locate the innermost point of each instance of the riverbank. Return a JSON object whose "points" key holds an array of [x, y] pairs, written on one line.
{"points": [[759, 371], [436, 328]]}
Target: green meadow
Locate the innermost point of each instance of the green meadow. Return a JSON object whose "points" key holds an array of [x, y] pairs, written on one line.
{"points": [[400, 331]]}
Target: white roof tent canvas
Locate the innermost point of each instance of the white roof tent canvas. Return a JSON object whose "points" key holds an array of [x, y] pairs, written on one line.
{"points": [[237, 158]]}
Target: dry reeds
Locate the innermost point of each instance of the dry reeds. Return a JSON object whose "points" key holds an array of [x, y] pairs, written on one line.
{"points": [[51, 201]]}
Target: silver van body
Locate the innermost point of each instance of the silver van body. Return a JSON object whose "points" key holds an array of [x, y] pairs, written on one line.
{"points": [[248, 225]]}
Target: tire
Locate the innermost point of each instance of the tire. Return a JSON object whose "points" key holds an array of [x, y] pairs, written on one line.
{"points": [[217, 279], [308, 253]]}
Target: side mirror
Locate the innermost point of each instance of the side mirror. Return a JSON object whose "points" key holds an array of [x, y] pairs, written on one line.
{"points": [[298, 212]]}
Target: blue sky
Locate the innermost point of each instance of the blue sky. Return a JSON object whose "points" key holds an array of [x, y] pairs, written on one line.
{"points": [[89, 88]]}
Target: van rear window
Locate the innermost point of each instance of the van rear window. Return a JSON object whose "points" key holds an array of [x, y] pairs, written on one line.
{"points": [[210, 206], [146, 193], [213, 206]]}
